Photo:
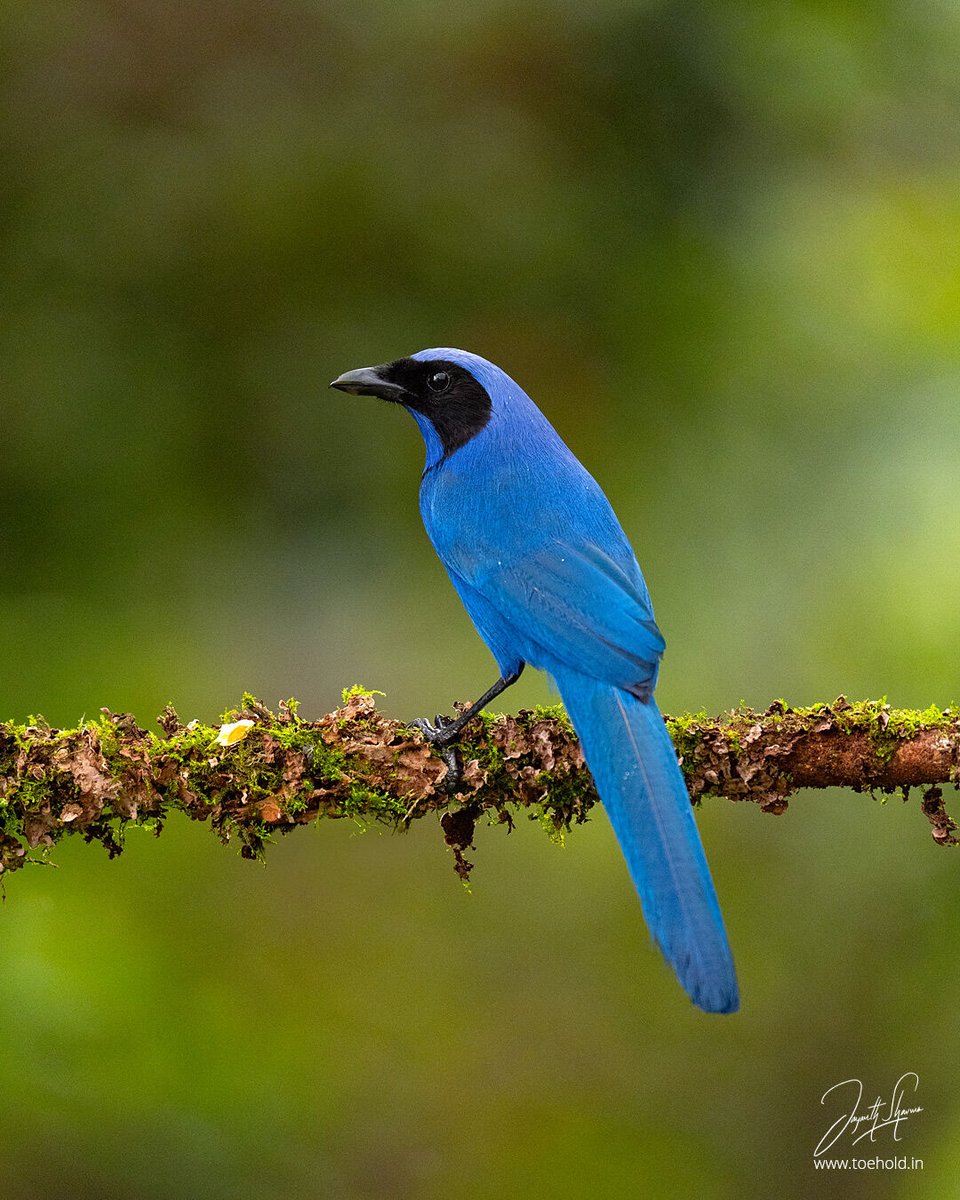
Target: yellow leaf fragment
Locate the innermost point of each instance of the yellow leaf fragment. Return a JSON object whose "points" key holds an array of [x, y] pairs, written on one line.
{"points": [[235, 732]]}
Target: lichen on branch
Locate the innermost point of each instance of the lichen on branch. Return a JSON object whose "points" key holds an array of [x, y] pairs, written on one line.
{"points": [[260, 773]]}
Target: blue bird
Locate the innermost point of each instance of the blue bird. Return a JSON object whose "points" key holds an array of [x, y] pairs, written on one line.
{"points": [[548, 577]]}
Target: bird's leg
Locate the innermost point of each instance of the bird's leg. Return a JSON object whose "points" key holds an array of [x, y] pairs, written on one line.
{"points": [[445, 732]]}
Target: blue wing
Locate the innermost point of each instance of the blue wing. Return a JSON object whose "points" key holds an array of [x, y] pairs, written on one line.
{"points": [[561, 605]]}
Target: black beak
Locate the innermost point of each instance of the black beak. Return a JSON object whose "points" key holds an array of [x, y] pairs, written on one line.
{"points": [[368, 381]]}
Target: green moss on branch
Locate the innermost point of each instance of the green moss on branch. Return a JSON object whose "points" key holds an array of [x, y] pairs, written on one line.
{"points": [[105, 775]]}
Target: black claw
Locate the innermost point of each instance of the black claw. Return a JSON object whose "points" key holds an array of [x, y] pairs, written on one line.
{"points": [[423, 726], [443, 743], [451, 781], [442, 732]]}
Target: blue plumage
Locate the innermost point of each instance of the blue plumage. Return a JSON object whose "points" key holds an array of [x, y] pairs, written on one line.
{"points": [[548, 577], [634, 766]]}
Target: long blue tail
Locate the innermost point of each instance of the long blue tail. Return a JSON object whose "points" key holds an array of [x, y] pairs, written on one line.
{"points": [[634, 766]]}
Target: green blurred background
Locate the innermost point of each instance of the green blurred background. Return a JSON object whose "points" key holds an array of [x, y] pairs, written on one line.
{"points": [[719, 244]]}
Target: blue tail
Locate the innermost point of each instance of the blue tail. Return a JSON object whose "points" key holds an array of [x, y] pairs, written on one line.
{"points": [[634, 766]]}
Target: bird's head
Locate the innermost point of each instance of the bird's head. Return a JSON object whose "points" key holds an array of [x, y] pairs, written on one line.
{"points": [[448, 392]]}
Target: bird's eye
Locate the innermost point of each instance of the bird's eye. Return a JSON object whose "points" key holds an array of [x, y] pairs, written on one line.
{"points": [[438, 381]]}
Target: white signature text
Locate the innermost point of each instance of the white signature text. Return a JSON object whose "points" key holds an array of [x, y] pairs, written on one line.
{"points": [[865, 1121]]}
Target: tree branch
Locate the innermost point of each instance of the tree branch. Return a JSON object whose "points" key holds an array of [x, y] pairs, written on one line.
{"points": [[281, 772]]}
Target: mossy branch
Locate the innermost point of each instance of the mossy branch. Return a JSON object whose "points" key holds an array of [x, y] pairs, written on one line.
{"points": [[106, 775]]}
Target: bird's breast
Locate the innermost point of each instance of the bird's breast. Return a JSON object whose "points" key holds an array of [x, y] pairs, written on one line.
{"points": [[475, 518]]}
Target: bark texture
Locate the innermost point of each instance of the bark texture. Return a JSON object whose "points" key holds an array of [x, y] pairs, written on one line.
{"points": [[281, 772]]}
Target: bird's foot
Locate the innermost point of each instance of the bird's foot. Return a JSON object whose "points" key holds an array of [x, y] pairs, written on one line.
{"points": [[442, 735], [441, 732]]}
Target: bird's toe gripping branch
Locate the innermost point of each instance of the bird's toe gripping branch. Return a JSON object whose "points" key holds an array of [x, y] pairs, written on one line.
{"points": [[442, 734]]}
